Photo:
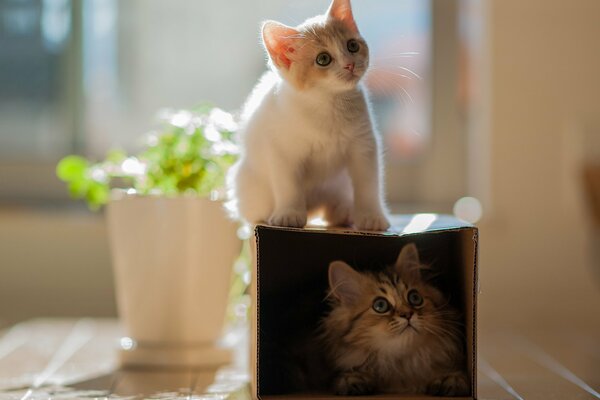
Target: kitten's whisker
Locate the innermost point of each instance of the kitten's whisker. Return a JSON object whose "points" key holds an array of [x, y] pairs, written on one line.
{"points": [[382, 87], [450, 318], [441, 331], [410, 71], [388, 87], [450, 314], [400, 96], [407, 94], [446, 318], [431, 331], [395, 57], [403, 94], [404, 53], [442, 310], [451, 323], [442, 318], [387, 71], [447, 331], [395, 84]]}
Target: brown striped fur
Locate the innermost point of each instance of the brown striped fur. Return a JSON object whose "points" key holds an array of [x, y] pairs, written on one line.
{"points": [[386, 352]]}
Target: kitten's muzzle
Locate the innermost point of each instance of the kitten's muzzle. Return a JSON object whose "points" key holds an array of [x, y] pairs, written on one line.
{"points": [[406, 314]]}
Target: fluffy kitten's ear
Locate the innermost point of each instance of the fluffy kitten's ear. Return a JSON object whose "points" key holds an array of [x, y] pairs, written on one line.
{"points": [[344, 282], [280, 41], [408, 264], [342, 10]]}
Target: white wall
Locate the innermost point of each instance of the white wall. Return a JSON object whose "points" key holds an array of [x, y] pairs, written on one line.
{"points": [[536, 246], [545, 82], [53, 262]]}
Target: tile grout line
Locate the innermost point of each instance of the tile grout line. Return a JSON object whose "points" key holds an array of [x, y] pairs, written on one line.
{"points": [[495, 376], [80, 334], [545, 360], [193, 383], [113, 385]]}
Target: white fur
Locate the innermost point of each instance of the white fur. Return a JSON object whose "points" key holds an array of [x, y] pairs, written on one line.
{"points": [[306, 149]]}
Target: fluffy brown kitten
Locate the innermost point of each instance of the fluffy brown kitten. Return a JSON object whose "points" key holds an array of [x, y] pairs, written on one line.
{"points": [[393, 332]]}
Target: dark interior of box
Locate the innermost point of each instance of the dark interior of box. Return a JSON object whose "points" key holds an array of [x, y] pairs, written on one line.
{"points": [[292, 284]]}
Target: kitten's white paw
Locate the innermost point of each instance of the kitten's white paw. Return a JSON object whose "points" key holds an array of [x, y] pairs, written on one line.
{"points": [[291, 218], [454, 384], [339, 215], [371, 221], [353, 384]]}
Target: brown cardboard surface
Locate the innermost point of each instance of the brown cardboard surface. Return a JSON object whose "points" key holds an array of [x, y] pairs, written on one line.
{"points": [[591, 180], [383, 396], [290, 279]]}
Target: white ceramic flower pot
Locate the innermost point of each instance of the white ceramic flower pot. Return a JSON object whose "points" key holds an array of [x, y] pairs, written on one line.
{"points": [[172, 261]]}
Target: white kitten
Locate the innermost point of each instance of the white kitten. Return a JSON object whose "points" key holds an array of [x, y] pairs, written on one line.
{"points": [[307, 136]]}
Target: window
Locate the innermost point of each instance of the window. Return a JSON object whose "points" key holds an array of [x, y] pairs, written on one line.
{"points": [[87, 76], [34, 99]]}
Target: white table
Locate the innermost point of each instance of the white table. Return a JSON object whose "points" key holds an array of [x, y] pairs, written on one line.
{"points": [[61, 358]]}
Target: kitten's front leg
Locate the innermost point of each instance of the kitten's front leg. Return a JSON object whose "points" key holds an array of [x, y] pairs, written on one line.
{"points": [[290, 200], [364, 167], [354, 383], [452, 384]]}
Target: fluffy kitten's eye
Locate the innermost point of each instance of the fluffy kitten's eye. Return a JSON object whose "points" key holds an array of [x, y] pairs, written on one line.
{"points": [[381, 305], [323, 59], [353, 46], [414, 298]]}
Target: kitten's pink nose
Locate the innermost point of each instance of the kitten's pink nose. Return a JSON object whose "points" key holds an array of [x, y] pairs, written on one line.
{"points": [[350, 67]]}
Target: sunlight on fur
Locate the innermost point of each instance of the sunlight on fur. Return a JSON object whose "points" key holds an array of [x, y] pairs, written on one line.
{"points": [[307, 136]]}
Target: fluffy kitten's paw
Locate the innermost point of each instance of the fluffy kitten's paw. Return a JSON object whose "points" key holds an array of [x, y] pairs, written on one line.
{"points": [[353, 384], [454, 384], [339, 215], [291, 218], [371, 221]]}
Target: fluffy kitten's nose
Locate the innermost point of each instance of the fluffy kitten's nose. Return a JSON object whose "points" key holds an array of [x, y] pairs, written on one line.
{"points": [[406, 314], [350, 67]]}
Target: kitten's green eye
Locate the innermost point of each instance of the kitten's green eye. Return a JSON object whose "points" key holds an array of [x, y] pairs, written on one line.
{"points": [[414, 298], [323, 59], [353, 46], [381, 305]]}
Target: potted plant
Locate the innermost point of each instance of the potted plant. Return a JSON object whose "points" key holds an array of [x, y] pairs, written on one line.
{"points": [[172, 244]]}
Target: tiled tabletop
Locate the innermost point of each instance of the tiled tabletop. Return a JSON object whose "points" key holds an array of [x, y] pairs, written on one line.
{"points": [[47, 358]]}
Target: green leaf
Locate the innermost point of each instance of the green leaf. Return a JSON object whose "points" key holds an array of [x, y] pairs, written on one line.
{"points": [[97, 195], [180, 161], [78, 188], [71, 168]]}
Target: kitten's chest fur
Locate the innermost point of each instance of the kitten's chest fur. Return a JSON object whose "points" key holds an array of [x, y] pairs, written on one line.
{"points": [[325, 131]]}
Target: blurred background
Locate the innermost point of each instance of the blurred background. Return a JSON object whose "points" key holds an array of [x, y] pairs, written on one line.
{"points": [[487, 108]]}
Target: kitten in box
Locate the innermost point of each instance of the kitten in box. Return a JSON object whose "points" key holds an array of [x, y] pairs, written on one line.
{"points": [[391, 331], [308, 143]]}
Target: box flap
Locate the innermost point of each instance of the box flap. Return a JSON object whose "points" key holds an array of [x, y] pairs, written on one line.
{"points": [[401, 225]]}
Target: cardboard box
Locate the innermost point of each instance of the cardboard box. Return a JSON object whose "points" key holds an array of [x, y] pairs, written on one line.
{"points": [[291, 282], [591, 181]]}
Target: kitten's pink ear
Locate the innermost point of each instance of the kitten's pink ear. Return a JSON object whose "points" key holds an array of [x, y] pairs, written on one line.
{"points": [[408, 263], [280, 41], [342, 10], [344, 282]]}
